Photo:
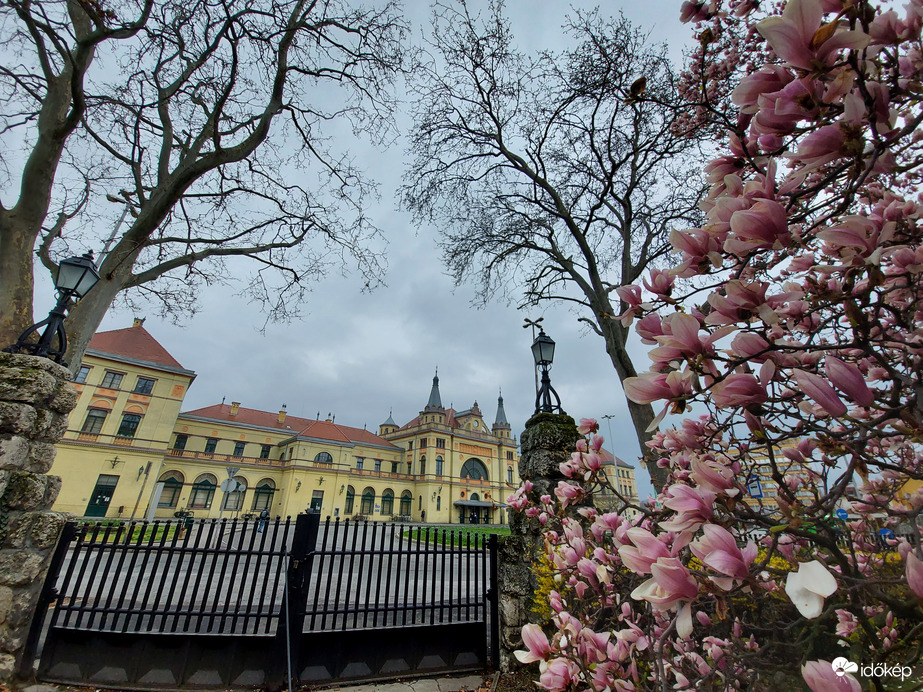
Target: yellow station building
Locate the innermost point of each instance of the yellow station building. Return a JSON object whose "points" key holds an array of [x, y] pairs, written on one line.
{"points": [[132, 452]]}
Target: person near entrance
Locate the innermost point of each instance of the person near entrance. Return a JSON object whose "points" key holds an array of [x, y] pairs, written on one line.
{"points": [[264, 519]]}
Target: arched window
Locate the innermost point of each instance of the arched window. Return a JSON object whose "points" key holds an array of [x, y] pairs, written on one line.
{"points": [[203, 490], [323, 458], [509, 475], [423, 465], [474, 470], [474, 497], [406, 501], [438, 503], [234, 501], [172, 487], [439, 465], [387, 502], [262, 495], [350, 499], [368, 501]]}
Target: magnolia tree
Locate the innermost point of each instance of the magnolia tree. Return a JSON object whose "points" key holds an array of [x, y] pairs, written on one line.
{"points": [[793, 323]]}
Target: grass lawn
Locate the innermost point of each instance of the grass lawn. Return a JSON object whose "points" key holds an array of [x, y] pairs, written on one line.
{"points": [[455, 536], [152, 534]]}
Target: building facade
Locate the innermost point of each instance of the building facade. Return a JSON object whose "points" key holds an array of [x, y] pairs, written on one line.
{"points": [[131, 452]]}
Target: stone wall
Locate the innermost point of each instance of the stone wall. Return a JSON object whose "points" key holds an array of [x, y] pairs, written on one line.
{"points": [[35, 398], [548, 440]]}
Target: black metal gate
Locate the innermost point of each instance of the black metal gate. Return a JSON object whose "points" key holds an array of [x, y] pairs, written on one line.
{"points": [[155, 606]]}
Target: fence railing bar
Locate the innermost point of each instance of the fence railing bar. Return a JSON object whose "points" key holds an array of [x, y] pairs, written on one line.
{"points": [[203, 567], [248, 576], [187, 536], [281, 565], [229, 566], [106, 572], [369, 560], [157, 548], [216, 588], [65, 583], [381, 566], [92, 581], [320, 563], [259, 567]]}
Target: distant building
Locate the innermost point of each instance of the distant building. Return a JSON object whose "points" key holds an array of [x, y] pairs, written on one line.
{"points": [[465, 470], [131, 452], [622, 477]]}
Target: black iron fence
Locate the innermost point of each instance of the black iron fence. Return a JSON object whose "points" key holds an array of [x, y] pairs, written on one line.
{"points": [[219, 604], [216, 577]]}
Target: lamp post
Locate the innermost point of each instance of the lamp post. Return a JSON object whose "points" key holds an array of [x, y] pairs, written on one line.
{"points": [[76, 276], [543, 353]]}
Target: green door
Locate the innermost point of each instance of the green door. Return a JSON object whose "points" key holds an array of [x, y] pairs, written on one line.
{"points": [[102, 496]]}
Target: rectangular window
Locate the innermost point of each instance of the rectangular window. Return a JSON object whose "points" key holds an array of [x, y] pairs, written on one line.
{"points": [[239, 448], [359, 463], [82, 373], [144, 385], [317, 500], [378, 464], [410, 445], [94, 421], [394, 467], [129, 425], [180, 441], [423, 443], [509, 456], [264, 451], [440, 444], [112, 380], [210, 445]]}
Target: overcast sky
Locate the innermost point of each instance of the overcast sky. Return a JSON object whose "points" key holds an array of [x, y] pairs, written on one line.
{"points": [[359, 356]]}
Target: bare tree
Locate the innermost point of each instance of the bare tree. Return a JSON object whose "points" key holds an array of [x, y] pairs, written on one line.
{"points": [[211, 122], [558, 174]]}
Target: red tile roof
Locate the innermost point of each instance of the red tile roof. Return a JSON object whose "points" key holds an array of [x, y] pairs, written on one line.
{"points": [[292, 425], [609, 458], [134, 342]]}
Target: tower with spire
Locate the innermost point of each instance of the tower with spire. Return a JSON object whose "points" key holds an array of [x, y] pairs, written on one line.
{"points": [[434, 412], [463, 469], [501, 426]]}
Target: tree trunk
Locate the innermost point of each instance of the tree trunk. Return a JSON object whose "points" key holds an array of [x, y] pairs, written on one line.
{"points": [[641, 414], [16, 280]]}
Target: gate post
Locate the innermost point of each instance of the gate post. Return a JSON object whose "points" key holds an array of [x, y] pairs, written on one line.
{"points": [[547, 441], [35, 398], [297, 583]]}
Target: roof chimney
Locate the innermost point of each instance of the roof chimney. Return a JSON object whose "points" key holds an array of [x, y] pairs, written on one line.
{"points": [[138, 321], [282, 414], [235, 407]]}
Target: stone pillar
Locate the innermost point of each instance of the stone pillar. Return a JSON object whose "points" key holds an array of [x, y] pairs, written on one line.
{"points": [[35, 398], [548, 440]]}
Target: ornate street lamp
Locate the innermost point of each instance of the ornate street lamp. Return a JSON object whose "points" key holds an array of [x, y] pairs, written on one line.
{"points": [[543, 353], [76, 276]]}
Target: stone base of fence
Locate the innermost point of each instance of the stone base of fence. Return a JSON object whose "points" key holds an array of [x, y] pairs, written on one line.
{"points": [[35, 398], [547, 441]]}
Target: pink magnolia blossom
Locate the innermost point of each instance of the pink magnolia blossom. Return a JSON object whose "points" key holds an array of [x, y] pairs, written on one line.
{"points": [[762, 226], [914, 573], [739, 389], [670, 584], [819, 392], [693, 507], [792, 36], [647, 549], [717, 549], [848, 379], [821, 676], [650, 387], [536, 643]]}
